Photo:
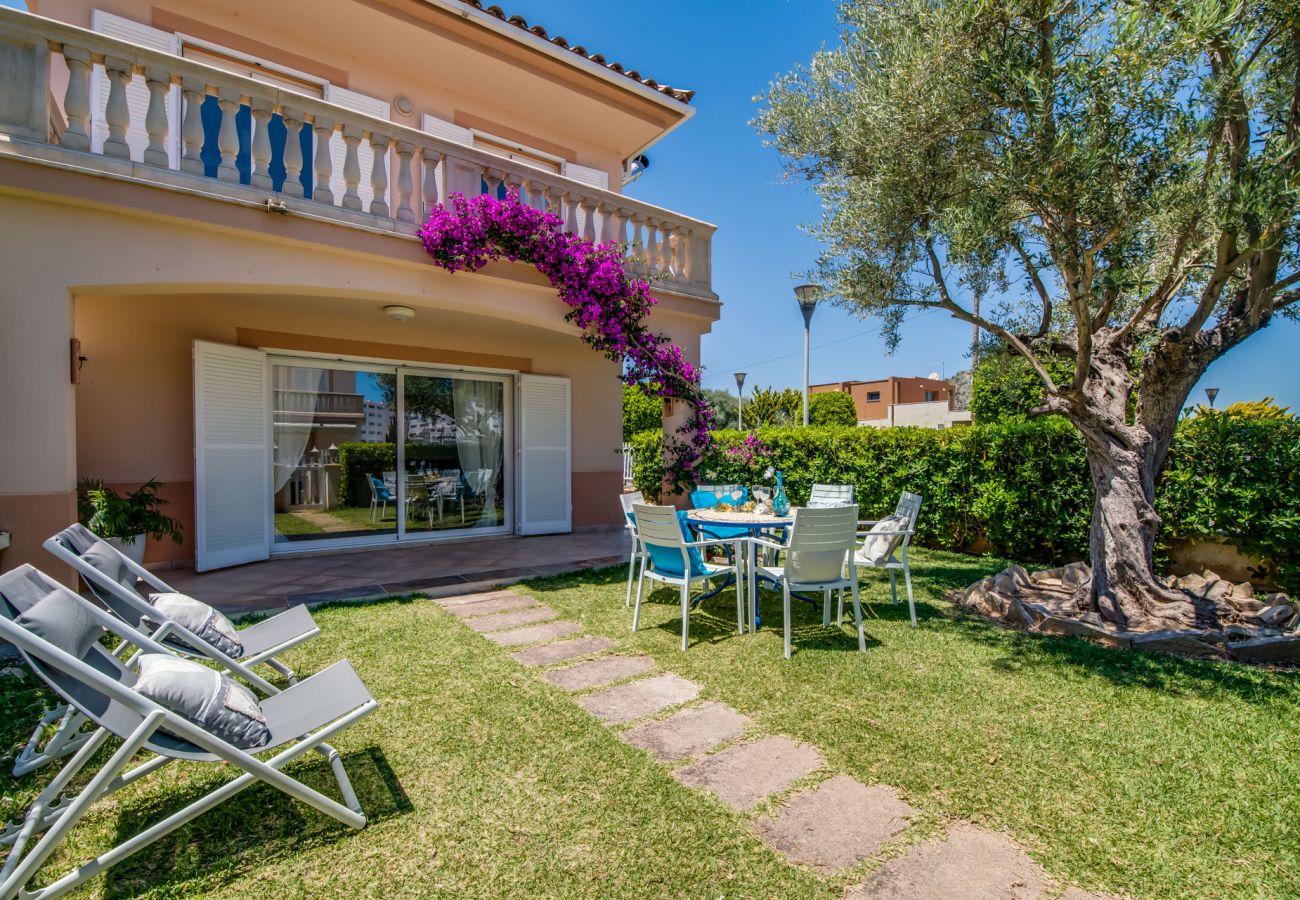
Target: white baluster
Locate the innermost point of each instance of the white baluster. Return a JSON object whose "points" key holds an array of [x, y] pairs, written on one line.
{"points": [[555, 202], [324, 167], [431, 180], [634, 246], [116, 113], [261, 112], [159, 84], [292, 152], [651, 261], [571, 202], [537, 195], [589, 219], [665, 262], [76, 100], [619, 222], [688, 253], [379, 174], [351, 166], [194, 93], [228, 135]]}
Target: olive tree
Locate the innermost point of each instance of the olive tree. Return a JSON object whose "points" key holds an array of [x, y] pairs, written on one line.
{"points": [[1125, 173]]}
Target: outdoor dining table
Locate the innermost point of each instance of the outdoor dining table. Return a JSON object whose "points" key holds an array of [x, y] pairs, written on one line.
{"points": [[754, 523]]}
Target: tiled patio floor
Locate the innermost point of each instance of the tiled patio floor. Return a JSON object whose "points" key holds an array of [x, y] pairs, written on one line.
{"points": [[433, 569]]}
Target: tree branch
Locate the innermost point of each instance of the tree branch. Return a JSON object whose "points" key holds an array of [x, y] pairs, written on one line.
{"points": [[1045, 322]]}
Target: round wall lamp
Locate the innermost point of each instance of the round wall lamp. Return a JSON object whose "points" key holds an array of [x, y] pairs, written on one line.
{"points": [[403, 104], [400, 313]]}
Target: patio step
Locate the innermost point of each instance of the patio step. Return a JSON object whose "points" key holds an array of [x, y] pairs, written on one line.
{"points": [[639, 699], [483, 604], [501, 621], [836, 825], [562, 651], [743, 775], [690, 732], [598, 672], [969, 862], [535, 634]]}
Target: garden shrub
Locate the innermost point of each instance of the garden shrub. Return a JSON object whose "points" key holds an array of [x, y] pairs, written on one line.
{"points": [[1021, 489], [358, 459], [832, 408]]}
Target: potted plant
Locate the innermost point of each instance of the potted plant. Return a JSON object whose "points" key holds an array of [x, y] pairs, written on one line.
{"points": [[124, 521]]}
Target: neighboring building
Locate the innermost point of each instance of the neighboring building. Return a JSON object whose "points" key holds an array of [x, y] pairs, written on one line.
{"points": [[895, 402], [213, 205]]}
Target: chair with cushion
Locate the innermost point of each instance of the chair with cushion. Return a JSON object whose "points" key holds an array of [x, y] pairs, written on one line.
{"points": [[670, 556], [707, 496], [820, 543], [167, 707], [884, 546], [380, 497], [627, 501]]}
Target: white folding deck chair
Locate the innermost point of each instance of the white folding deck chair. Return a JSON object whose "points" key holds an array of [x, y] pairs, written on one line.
{"points": [[824, 495], [627, 501], [820, 543], [100, 686], [667, 558], [262, 641], [894, 558]]}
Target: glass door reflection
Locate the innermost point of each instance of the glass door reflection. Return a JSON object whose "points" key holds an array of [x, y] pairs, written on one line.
{"points": [[453, 452]]}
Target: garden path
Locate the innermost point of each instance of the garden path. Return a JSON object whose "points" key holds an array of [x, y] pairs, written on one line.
{"points": [[831, 823]]}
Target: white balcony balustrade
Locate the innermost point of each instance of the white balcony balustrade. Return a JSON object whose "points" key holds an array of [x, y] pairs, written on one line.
{"points": [[246, 141]]}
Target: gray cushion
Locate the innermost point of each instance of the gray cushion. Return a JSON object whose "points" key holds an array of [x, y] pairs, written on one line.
{"points": [[109, 561], [61, 618], [215, 702], [877, 547], [201, 619]]}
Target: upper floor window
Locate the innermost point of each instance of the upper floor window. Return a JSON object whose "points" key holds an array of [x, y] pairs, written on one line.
{"points": [[930, 397], [873, 396]]}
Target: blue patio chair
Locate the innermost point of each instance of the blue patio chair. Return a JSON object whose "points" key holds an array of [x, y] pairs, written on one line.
{"points": [[380, 497]]}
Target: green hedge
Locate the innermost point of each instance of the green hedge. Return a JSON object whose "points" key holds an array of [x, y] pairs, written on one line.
{"points": [[1022, 490]]}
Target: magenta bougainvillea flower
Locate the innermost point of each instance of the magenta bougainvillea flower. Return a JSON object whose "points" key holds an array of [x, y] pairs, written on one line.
{"points": [[607, 304]]}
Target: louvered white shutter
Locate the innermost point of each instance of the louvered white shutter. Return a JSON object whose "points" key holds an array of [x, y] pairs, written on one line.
{"points": [[232, 481], [448, 131], [137, 93], [544, 502], [587, 175], [339, 148]]}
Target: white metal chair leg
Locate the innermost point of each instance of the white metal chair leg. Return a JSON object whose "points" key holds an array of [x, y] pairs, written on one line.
{"points": [[857, 612], [740, 600], [786, 609], [911, 604], [65, 741], [686, 614], [640, 585], [826, 608], [893, 585], [839, 612], [631, 570], [284, 670]]}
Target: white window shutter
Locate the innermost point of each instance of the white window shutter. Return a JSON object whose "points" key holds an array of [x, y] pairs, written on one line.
{"points": [[232, 482], [448, 131], [361, 103], [587, 175], [137, 93], [544, 470]]}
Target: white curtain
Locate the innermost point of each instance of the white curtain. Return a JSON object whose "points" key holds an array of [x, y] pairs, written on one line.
{"points": [[295, 409], [480, 417]]}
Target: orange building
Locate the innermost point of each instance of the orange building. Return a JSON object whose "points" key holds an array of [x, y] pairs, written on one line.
{"points": [[884, 402]]}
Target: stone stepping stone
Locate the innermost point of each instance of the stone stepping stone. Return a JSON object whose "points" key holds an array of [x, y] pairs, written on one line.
{"points": [[639, 698], [501, 621], [598, 672], [742, 776], [561, 651], [689, 732], [837, 825], [971, 863], [491, 603], [535, 634]]}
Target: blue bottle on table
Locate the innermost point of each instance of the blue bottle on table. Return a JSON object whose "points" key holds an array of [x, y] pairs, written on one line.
{"points": [[780, 502]]}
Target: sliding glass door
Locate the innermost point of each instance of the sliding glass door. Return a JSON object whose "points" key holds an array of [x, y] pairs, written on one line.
{"points": [[365, 454]]}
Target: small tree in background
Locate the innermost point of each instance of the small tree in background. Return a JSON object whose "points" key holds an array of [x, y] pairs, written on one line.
{"points": [[1004, 387], [832, 408], [768, 406], [723, 404], [641, 411], [1134, 166]]}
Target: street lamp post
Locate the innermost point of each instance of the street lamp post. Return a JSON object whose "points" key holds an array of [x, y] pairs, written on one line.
{"points": [[740, 401], [807, 295], [1211, 393]]}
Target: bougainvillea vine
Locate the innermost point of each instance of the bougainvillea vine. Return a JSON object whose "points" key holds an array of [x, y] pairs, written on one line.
{"points": [[607, 304]]}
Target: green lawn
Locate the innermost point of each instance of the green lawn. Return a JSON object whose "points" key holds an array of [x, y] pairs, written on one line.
{"points": [[345, 520], [1147, 775]]}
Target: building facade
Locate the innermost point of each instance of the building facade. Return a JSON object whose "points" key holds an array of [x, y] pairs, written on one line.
{"points": [[897, 402], [213, 274]]}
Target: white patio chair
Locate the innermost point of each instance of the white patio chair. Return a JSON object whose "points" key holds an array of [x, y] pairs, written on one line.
{"points": [[890, 554], [627, 501], [100, 686], [824, 495], [819, 546], [668, 557]]}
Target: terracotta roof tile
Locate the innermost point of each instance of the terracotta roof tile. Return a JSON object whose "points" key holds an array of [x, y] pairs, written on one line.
{"points": [[521, 23]]}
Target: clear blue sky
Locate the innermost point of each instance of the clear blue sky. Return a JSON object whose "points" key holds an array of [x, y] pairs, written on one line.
{"points": [[715, 168]]}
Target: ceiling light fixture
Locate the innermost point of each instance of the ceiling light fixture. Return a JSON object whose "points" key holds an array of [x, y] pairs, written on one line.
{"points": [[400, 313]]}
